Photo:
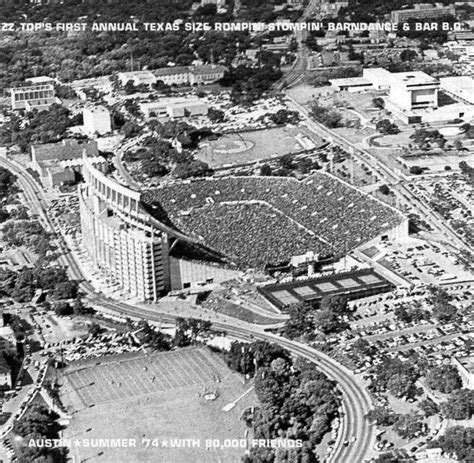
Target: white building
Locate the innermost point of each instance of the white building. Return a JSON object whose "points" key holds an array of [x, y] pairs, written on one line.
{"points": [[190, 75], [414, 90], [174, 108], [33, 97], [137, 78], [422, 12], [97, 120], [465, 366], [7, 340]]}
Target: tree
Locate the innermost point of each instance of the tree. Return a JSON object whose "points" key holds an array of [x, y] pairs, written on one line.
{"points": [[130, 129], [401, 385], [266, 170], [328, 322], [408, 55], [62, 309], [416, 170], [408, 426], [94, 329], [65, 290], [444, 378], [428, 407], [337, 305], [384, 189], [326, 116], [457, 440], [194, 168], [386, 127], [460, 405], [216, 115], [382, 416], [379, 103]]}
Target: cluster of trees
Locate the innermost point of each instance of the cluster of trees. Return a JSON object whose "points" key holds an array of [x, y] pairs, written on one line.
{"points": [[444, 378], [327, 317], [386, 127], [188, 330], [329, 117], [460, 405], [8, 189], [40, 127], [250, 83], [407, 426], [28, 233], [322, 78], [426, 138], [395, 376], [288, 166], [443, 308], [158, 158], [39, 423], [467, 170], [411, 314], [7, 184], [284, 117], [22, 285], [297, 401], [458, 441]]}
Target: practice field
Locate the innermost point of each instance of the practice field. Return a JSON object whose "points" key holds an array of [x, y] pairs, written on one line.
{"points": [[156, 398], [245, 147]]}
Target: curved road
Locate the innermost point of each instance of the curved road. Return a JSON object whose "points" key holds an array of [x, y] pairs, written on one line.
{"points": [[356, 430]]}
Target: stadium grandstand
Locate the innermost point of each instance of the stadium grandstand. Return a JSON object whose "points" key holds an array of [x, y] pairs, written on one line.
{"points": [[260, 221]]}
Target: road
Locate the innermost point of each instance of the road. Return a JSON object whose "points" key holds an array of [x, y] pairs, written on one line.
{"points": [[356, 400], [299, 67]]}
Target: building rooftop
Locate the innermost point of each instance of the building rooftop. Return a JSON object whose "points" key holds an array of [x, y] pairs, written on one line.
{"points": [[413, 78], [67, 149], [350, 81], [96, 109]]}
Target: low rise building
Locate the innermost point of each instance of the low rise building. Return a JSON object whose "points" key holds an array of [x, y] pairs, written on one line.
{"points": [[57, 163], [174, 108], [137, 78], [38, 97], [422, 11], [190, 75]]}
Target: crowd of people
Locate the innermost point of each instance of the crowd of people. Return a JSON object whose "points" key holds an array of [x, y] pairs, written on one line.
{"points": [[318, 214], [260, 223]]}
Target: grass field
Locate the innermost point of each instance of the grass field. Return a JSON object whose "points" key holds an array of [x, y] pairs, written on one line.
{"points": [[158, 396], [244, 147]]}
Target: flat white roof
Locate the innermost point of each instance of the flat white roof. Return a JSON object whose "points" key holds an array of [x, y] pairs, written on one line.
{"points": [[350, 81], [413, 78]]}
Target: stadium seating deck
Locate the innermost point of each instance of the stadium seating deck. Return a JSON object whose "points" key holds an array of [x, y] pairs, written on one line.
{"points": [[266, 220]]}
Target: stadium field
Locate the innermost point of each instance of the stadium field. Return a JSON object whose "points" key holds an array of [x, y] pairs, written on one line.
{"points": [[119, 399], [250, 146]]}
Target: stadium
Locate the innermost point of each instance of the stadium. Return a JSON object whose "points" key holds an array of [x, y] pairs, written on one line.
{"points": [[189, 234], [255, 222]]}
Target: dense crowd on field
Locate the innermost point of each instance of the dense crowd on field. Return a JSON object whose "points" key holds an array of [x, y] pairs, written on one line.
{"points": [[260, 220]]}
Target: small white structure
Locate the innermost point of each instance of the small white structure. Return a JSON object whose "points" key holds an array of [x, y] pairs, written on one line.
{"points": [[97, 120]]}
